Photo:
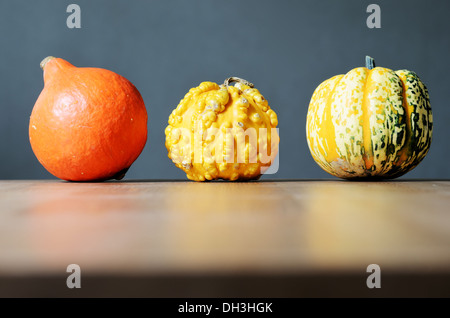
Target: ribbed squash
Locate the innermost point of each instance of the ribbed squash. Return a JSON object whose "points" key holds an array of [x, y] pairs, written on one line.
{"points": [[215, 132], [372, 122]]}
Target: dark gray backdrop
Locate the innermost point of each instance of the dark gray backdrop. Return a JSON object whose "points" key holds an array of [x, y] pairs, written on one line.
{"points": [[286, 48]]}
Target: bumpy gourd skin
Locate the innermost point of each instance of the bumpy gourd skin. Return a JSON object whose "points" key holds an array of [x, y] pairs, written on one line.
{"points": [[370, 123], [224, 108]]}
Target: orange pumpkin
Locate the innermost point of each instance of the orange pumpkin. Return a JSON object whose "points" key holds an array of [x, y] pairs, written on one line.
{"points": [[88, 123]]}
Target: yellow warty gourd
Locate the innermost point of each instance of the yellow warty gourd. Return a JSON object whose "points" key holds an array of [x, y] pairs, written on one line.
{"points": [[223, 132]]}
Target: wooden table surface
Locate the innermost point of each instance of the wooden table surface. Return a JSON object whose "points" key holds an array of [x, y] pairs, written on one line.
{"points": [[225, 239]]}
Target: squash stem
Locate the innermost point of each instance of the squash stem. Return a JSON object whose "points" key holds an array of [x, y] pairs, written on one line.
{"points": [[45, 61], [237, 79], [370, 62]]}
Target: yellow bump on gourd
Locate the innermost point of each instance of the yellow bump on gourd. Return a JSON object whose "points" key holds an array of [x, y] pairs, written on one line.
{"points": [[223, 124], [372, 122]]}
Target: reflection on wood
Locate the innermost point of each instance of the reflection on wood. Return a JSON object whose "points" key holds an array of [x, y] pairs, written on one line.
{"points": [[223, 227]]}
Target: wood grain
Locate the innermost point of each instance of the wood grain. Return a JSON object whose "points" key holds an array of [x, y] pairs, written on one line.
{"points": [[262, 229]]}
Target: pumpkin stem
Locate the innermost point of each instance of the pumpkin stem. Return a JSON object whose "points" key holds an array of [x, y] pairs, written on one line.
{"points": [[46, 60], [370, 62], [238, 80]]}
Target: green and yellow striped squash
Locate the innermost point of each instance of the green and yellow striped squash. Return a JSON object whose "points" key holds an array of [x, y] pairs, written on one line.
{"points": [[372, 122]]}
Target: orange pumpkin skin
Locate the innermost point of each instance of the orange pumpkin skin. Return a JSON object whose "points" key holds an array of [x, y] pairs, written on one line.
{"points": [[88, 123]]}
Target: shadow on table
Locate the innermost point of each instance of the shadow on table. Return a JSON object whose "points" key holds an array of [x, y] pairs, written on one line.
{"points": [[279, 180]]}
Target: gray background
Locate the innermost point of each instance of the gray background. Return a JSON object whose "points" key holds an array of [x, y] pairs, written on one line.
{"points": [[286, 48]]}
